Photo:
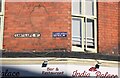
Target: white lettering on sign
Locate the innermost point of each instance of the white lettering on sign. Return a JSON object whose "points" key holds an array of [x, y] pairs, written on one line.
{"points": [[27, 35], [59, 34]]}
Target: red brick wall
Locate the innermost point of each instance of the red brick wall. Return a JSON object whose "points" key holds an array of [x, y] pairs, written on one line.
{"points": [[37, 17], [108, 27], [56, 17]]}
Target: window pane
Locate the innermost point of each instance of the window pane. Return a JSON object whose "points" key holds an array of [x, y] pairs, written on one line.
{"points": [[89, 7], [0, 5], [0, 22], [76, 31], [90, 32], [0, 26], [0, 35], [76, 6]]}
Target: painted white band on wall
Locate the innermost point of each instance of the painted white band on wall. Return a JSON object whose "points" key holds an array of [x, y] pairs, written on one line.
{"points": [[71, 70]]}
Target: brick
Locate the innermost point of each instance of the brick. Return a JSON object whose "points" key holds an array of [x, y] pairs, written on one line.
{"points": [[49, 17], [31, 17], [107, 27]]}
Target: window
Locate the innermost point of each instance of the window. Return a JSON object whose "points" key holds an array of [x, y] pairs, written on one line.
{"points": [[1, 21], [84, 25]]}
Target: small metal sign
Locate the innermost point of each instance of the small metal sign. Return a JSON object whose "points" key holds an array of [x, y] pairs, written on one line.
{"points": [[59, 34], [27, 35]]}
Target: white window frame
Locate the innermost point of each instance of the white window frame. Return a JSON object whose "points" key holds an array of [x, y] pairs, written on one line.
{"points": [[2, 24], [84, 16], [82, 47]]}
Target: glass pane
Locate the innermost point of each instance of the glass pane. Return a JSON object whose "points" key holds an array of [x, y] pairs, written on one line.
{"points": [[89, 7], [90, 33], [0, 37], [76, 32], [0, 26], [76, 6], [0, 5]]}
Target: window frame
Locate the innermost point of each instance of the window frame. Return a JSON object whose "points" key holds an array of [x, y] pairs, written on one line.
{"points": [[2, 9], [2, 23], [82, 39], [83, 16]]}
